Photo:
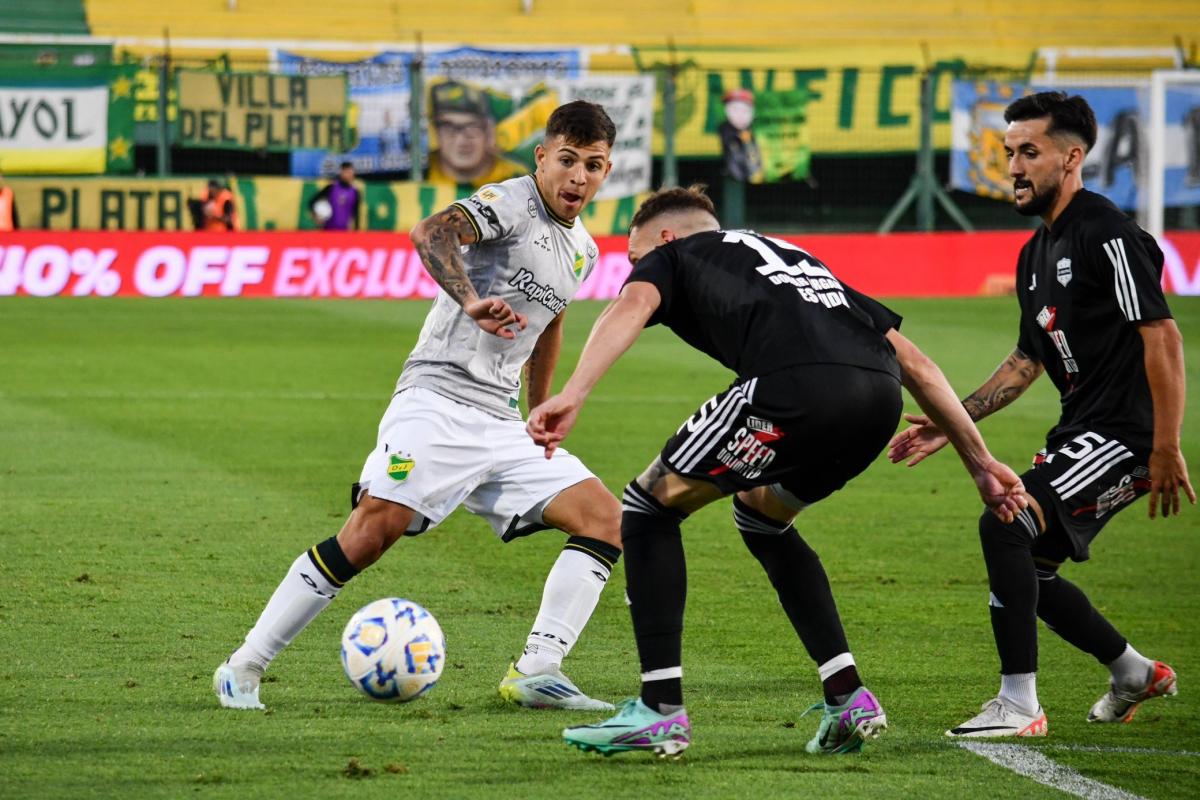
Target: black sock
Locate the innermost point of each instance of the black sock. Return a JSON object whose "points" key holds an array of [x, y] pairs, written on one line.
{"points": [[656, 585], [1066, 610], [1007, 551], [840, 685], [332, 562], [795, 571]]}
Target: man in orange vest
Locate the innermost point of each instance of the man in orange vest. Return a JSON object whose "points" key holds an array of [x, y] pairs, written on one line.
{"points": [[8, 208], [219, 212]]}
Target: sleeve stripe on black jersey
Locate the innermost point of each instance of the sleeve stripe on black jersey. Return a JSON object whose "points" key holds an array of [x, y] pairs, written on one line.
{"points": [[1126, 289]]}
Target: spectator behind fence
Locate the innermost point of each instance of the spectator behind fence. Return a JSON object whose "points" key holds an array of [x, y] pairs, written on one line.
{"points": [[739, 150], [215, 210], [8, 208], [335, 208], [466, 135]]}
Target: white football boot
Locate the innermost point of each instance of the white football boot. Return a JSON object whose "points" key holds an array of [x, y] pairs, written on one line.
{"points": [[998, 720], [1120, 706], [547, 690], [237, 687]]}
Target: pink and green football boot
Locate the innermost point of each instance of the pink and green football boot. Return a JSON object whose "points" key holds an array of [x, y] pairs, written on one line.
{"points": [[635, 727]]}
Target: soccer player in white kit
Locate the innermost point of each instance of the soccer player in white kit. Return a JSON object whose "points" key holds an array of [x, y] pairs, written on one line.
{"points": [[508, 259]]}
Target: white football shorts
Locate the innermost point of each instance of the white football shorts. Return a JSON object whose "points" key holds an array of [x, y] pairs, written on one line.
{"points": [[434, 454]]}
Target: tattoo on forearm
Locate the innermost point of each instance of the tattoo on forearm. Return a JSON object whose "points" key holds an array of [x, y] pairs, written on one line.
{"points": [[439, 251], [653, 474], [1007, 383]]}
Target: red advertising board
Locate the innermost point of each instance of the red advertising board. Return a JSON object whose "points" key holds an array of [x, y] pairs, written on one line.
{"points": [[360, 265]]}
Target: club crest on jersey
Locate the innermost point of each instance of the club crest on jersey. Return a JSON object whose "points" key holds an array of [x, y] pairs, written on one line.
{"points": [[1064, 271], [577, 267], [531, 207], [399, 467]]}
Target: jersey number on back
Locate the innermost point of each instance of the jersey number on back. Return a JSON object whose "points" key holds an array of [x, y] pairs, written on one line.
{"points": [[813, 282]]}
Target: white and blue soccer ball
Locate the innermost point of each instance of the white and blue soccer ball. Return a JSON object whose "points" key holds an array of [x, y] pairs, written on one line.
{"points": [[393, 650]]}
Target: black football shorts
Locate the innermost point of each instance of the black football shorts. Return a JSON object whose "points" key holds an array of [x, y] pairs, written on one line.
{"points": [[1080, 484], [809, 428]]}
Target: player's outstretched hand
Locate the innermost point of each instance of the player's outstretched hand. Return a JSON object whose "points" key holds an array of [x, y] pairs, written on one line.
{"points": [[1168, 473], [1001, 489], [551, 421], [918, 442], [495, 316]]}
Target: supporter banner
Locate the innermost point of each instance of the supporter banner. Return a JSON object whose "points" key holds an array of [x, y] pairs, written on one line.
{"points": [[71, 130], [978, 163], [860, 99], [260, 111], [780, 126], [263, 203], [373, 265], [379, 88], [630, 103]]}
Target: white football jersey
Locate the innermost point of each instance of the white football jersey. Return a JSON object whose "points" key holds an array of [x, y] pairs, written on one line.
{"points": [[526, 255]]}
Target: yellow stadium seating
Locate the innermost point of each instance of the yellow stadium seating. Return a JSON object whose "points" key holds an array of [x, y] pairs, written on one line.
{"points": [[1019, 24]]}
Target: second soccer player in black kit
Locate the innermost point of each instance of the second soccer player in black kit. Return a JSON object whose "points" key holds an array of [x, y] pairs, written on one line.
{"points": [[1094, 318], [817, 396]]}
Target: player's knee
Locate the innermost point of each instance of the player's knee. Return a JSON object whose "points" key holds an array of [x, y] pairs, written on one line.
{"points": [[373, 527], [643, 513], [605, 524]]}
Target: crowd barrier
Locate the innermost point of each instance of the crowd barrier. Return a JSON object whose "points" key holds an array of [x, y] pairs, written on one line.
{"points": [[384, 265]]}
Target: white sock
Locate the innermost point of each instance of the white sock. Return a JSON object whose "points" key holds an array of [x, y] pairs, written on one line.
{"points": [[572, 591], [1130, 670], [1019, 692], [302, 594]]}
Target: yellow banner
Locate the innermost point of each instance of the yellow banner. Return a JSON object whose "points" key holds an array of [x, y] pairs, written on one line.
{"points": [[860, 100], [160, 204], [251, 110]]}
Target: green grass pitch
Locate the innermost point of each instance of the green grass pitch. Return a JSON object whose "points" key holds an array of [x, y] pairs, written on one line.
{"points": [[162, 462]]}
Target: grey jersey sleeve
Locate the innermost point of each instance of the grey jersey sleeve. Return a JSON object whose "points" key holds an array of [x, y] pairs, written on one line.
{"points": [[497, 210]]}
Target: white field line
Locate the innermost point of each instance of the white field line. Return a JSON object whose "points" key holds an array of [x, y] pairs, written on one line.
{"points": [[1029, 763]]}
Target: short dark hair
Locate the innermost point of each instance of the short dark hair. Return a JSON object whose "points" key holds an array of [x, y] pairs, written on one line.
{"points": [[674, 199], [346, 164], [1070, 115], [581, 123]]}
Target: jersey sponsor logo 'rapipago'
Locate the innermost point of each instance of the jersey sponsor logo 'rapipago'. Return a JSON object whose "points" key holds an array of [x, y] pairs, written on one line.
{"points": [[537, 293]]}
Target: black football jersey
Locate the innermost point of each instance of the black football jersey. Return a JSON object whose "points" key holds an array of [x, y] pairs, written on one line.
{"points": [[758, 304], [1083, 286]]}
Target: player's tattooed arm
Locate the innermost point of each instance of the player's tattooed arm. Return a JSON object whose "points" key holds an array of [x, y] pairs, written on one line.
{"points": [[438, 240], [1008, 382]]}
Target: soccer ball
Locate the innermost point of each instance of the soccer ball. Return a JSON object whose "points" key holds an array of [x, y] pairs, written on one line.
{"points": [[393, 650], [322, 210]]}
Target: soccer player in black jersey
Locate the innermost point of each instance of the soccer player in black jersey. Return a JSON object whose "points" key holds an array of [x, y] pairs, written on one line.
{"points": [[1093, 317], [817, 397]]}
